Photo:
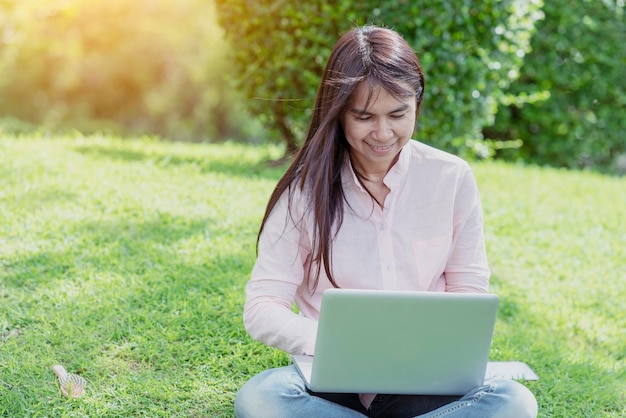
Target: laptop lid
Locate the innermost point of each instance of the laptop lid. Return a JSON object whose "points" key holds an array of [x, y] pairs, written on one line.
{"points": [[402, 342]]}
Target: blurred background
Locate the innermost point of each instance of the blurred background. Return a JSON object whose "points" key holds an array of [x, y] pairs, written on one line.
{"points": [[523, 80]]}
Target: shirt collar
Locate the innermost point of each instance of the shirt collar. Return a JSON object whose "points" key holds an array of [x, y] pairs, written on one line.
{"points": [[392, 178]]}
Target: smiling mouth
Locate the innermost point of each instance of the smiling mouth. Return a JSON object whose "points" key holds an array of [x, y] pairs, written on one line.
{"points": [[377, 148]]}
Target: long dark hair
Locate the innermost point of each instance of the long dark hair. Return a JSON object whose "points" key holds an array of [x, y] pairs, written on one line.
{"points": [[380, 56]]}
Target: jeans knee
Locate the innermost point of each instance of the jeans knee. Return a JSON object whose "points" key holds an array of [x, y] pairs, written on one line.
{"points": [[264, 394], [246, 402], [520, 400]]}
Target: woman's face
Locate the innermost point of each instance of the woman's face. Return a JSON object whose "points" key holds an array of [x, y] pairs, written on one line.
{"points": [[377, 133]]}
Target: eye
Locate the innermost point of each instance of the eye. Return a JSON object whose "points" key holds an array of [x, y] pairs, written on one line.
{"points": [[363, 118], [396, 116]]}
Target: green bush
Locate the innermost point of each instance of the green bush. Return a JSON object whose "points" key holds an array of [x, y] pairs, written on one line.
{"points": [[575, 76], [470, 52], [115, 65]]}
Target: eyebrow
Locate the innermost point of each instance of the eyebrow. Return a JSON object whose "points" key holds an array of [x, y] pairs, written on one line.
{"points": [[365, 112]]}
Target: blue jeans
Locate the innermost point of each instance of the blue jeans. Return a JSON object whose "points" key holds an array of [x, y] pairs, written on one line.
{"points": [[281, 393]]}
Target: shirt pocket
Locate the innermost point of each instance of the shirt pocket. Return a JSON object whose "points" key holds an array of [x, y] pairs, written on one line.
{"points": [[431, 256]]}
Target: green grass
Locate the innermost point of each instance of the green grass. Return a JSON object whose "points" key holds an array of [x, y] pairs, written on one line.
{"points": [[126, 262]]}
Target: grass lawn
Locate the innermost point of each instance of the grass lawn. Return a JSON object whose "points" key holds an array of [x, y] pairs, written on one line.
{"points": [[126, 261]]}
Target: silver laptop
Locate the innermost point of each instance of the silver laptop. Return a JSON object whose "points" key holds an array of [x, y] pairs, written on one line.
{"points": [[400, 342]]}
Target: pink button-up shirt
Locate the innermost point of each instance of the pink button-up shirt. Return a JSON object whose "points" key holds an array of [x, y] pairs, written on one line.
{"points": [[428, 237]]}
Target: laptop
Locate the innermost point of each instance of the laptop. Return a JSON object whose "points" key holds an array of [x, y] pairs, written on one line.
{"points": [[400, 342]]}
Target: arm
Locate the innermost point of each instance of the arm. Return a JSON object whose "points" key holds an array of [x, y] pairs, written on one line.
{"points": [[277, 275], [467, 269]]}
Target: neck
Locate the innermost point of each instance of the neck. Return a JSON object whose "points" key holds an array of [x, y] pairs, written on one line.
{"points": [[372, 182], [372, 173]]}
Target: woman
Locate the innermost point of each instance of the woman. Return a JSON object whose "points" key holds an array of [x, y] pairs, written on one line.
{"points": [[364, 206]]}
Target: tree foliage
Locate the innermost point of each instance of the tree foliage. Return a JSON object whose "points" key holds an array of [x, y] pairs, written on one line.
{"points": [[139, 65], [572, 86], [549, 90], [470, 51]]}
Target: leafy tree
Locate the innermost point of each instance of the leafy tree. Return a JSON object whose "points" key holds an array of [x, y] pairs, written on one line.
{"points": [[574, 89], [100, 64], [470, 51]]}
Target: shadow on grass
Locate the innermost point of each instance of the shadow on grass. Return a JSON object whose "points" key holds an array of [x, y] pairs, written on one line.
{"points": [[38, 197], [128, 283], [120, 246], [133, 268], [229, 164]]}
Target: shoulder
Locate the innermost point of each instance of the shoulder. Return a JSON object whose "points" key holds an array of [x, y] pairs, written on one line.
{"points": [[293, 198], [426, 157]]}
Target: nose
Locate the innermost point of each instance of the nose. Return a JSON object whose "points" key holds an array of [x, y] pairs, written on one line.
{"points": [[382, 130]]}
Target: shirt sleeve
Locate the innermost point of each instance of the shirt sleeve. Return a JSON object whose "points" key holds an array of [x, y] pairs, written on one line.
{"points": [[277, 274], [467, 269]]}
